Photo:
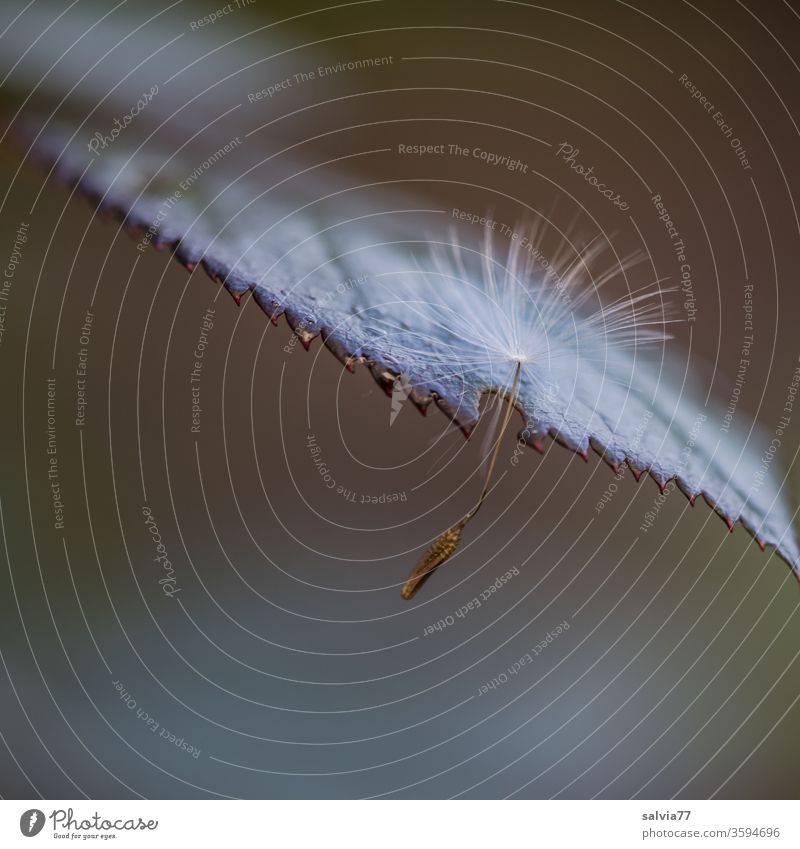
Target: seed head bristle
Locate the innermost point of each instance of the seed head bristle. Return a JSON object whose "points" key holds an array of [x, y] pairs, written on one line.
{"points": [[441, 548]]}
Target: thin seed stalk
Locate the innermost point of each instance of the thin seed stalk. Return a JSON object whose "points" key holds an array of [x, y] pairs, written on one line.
{"points": [[446, 544]]}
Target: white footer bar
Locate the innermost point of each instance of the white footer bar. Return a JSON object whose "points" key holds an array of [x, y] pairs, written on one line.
{"points": [[406, 824]]}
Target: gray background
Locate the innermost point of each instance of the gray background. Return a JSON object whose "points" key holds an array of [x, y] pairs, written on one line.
{"points": [[288, 657]]}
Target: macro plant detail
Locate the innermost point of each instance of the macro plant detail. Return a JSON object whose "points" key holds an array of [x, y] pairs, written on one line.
{"points": [[451, 320], [400, 402]]}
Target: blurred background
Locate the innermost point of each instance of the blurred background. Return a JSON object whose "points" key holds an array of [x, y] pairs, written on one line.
{"points": [[272, 655]]}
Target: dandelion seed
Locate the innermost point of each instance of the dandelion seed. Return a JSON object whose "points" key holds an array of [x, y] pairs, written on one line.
{"points": [[439, 551], [455, 326], [446, 544], [463, 317], [508, 327]]}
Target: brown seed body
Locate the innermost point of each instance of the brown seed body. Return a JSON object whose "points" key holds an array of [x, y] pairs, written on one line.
{"points": [[447, 543], [433, 558]]}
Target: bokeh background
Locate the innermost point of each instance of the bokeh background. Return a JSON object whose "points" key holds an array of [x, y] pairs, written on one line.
{"points": [[285, 664]]}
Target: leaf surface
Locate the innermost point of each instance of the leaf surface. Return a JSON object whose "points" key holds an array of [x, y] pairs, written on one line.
{"points": [[360, 261]]}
